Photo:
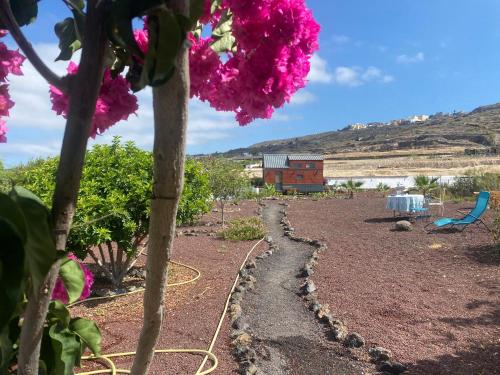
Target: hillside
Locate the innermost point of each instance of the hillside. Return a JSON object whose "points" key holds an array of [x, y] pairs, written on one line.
{"points": [[479, 128]]}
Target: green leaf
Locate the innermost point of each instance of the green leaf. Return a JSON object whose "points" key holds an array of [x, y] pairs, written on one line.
{"points": [[215, 5], [11, 272], [67, 349], [224, 25], [40, 250], [58, 314], [88, 332], [224, 44], [25, 11], [12, 214], [69, 41], [73, 278]]}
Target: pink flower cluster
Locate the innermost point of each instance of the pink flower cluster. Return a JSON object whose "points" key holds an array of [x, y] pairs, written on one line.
{"points": [[275, 40], [60, 293], [10, 63], [115, 101]]}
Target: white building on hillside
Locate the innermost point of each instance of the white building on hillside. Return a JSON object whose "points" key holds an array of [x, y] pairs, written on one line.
{"points": [[418, 118]]}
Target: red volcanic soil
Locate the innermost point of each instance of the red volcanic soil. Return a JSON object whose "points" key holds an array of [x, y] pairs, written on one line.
{"points": [[192, 310], [432, 299]]}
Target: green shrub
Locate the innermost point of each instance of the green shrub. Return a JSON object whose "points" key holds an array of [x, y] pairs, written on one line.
{"points": [[473, 182], [382, 188], [196, 194], [114, 202], [244, 229]]}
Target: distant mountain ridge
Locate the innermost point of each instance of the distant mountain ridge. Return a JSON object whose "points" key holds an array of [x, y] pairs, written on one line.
{"points": [[479, 128]]}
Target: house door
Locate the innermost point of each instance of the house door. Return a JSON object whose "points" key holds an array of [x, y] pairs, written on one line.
{"points": [[278, 181]]}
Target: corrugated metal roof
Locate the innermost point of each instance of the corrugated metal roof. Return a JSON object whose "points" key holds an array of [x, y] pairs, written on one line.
{"points": [[275, 161], [305, 157], [281, 160]]}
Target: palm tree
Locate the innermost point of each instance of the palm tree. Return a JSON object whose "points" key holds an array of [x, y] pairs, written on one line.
{"points": [[351, 186], [426, 185]]}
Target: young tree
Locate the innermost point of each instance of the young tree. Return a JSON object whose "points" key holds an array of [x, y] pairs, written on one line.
{"points": [[227, 181]]}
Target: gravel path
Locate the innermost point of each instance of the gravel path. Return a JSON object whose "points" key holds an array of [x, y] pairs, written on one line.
{"points": [[290, 340]]}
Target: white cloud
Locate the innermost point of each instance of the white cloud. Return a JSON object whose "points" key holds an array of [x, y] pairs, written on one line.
{"points": [[319, 71], [407, 59], [356, 76], [302, 97], [340, 39]]}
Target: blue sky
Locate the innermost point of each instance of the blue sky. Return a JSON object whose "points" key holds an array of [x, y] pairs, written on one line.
{"points": [[378, 60]]}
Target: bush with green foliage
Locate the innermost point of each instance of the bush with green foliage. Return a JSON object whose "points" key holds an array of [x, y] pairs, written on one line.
{"points": [[228, 181], [196, 194], [382, 188], [244, 229], [474, 181], [112, 216], [351, 187]]}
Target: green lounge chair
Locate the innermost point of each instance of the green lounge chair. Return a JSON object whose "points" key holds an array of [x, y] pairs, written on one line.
{"points": [[474, 216]]}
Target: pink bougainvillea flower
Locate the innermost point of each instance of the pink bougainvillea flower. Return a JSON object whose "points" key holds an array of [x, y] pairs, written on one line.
{"points": [[60, 292], [3, 131], [275, 40], [10, 63], [115, 101]]}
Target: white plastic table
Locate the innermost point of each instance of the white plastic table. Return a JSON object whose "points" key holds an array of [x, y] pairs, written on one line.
{"points": [[405, 202]]}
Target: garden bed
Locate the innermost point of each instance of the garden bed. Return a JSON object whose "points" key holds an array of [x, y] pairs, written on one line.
{"points": [[193, 310], [432, 299]]}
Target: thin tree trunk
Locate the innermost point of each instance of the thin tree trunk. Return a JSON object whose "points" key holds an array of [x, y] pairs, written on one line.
{"points": [[83, 96], [170, 104], [222, 211]]}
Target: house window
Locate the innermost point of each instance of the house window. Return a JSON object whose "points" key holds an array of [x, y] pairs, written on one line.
{"points": [[299, 177], [310, 165], [297, 165]]}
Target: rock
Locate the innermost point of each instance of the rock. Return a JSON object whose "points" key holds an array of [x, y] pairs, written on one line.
{"points": [[307, 271], [323, 311], [308, 287], [132, 288], [240, 351], [315, 306], [379, 353], [338, 332], [269, 239], [250, 285], [250, 278], [240, 324], [404, 226], [240, 288], [251, 264], [251, 369], [391, 367], [235, 333], [243, 339], [236, 297], [244, 272], [354, 340], [235, 312]]}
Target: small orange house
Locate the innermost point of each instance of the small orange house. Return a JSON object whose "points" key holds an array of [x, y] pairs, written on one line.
{"points": [[294, 172]]}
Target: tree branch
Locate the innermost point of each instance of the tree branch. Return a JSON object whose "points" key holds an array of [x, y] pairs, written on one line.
{"points": [[83, 98], [10, 22]]}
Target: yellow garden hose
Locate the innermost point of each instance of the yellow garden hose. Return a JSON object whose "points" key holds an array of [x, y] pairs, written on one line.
{"points": [[138, 290], [208, 355]]}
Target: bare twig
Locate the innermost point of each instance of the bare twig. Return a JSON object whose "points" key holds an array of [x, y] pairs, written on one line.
{"points": [[10, 22]]}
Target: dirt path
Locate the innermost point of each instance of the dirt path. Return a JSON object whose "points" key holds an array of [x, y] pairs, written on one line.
{"points": [[290, 340]]}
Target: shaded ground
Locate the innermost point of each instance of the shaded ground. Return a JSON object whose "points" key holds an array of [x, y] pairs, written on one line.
{"points": [[193, 310], [433, 299], [291, 341]]}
